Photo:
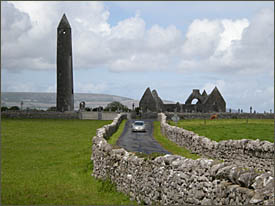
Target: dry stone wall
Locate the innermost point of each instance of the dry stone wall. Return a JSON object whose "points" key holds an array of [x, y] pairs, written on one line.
{"points": [[40, 115], [221, 115], [58, 115], [98, 115], [175, 180], [251, 153]]}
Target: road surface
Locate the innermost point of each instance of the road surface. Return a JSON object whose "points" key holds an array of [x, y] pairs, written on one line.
{"points": [[140, 141]]}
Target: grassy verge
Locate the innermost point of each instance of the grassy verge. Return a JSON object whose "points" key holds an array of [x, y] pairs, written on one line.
{"points": [[48, 162], [171, 146], [225, 129], [113, 139]]}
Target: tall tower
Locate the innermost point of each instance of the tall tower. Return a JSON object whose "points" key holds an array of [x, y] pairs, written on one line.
{"points": [[65, 91]]}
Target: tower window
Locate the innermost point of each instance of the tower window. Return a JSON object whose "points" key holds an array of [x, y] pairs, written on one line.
{"points": [[64, 32]]}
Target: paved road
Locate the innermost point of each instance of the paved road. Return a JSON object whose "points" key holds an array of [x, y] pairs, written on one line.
{"points": [[140, 141]]}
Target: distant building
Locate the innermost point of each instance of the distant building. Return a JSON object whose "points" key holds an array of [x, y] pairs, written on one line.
{"points": [[214, 102]]}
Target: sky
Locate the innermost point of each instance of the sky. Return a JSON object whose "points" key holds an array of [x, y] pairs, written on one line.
{"points": [[122, 47]]}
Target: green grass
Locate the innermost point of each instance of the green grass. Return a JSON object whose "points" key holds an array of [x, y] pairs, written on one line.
{"points": [[225, 129], [113, 139], [48, 162], [171, 146]]}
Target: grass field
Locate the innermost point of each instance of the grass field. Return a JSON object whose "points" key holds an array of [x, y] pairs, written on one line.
{"points": [[113, 139], [171, 146], [48, 162], [225, 129]]}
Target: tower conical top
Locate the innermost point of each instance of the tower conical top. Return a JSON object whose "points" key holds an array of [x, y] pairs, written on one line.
{"points": [[64, 23]]}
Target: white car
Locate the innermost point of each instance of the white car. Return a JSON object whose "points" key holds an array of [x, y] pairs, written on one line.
{"points": [[138, 126]]}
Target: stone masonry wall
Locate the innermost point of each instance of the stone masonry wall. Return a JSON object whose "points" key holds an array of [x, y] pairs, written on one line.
{"points": [[222, 115], [251, 153], [96, 115], [175, 180], [39, 115], [59, 115]]}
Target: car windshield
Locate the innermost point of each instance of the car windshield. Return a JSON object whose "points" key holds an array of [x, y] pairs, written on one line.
{"points": [[139, 123]]}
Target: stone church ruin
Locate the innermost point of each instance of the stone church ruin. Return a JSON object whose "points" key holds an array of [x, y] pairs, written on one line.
{"points": [[214, 102]]}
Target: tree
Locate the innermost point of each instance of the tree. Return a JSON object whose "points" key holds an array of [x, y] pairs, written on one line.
{"points": [[137, 110], [87, 109], [4, 109], [14, 108], [52, 109], [114, 106], [100, 108]]}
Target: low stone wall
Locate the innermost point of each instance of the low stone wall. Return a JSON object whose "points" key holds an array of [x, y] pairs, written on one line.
{"points": [[145, 115], [88, 115], [39, 115], [175, 180], [251, 153], [98, 115], [58, 115], [222, 115]]}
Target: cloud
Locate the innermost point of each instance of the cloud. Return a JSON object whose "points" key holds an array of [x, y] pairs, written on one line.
{"points": [[126, 46], [255, 51], [91, 88], [219, 45], [19, 86], [209, 86], [237, 55], [234, 47], [14, 24], [232, 31], [25, 41], [209, 41], [36, 47], [202, 38]]}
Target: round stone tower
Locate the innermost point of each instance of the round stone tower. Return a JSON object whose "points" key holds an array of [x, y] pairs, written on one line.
{"points": [[65, 92]]}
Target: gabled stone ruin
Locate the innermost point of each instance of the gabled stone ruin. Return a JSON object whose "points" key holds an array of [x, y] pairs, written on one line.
{"points": [[214, 102], [159, 102], [147, 102]]}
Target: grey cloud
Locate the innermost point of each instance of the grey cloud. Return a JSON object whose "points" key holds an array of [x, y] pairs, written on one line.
{"points": [[252, 54], [22, 48], [129, 44], [14, 23], [255, 51], [95, 42]]}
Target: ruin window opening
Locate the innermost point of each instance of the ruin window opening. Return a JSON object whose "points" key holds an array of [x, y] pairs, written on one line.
{"points": [[195, 101]]}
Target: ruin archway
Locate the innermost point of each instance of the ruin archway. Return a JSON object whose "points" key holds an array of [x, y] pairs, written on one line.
{"points": [[195, 95], [196, 101]]}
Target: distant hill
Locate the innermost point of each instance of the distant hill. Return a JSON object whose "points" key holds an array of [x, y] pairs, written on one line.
{"points": [[45, 100]]}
